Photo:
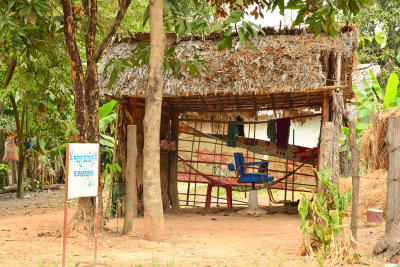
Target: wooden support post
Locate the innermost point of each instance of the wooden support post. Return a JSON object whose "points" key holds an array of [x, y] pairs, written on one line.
{"points": [[325, 108], [324, 118], [130, 182], [173, 178], [326, 149], [393, 182], [338, 69], [355, 174]]}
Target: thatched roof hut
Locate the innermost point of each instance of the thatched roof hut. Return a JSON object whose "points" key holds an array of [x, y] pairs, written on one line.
{"points": [[291, 71]]}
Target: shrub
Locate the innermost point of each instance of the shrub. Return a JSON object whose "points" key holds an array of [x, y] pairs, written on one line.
{"points": [[324, 235]]}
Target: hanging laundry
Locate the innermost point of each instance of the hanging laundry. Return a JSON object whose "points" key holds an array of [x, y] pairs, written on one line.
{"points": [[240, 126], [282, 132], [271, 130], [232, 131]]}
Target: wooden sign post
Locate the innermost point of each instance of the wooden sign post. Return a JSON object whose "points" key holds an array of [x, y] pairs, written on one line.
{"points": [[82, 180]]}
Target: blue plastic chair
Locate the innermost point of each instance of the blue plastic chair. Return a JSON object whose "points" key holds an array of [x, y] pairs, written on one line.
{"points": [[253, 178]]}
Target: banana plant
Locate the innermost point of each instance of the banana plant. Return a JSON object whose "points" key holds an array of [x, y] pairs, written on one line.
{"points": [[327, 210], [106, 116], [372, 100]]}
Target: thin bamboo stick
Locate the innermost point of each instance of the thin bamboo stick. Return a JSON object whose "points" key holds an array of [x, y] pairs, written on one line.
{"points": [[191, 158], [197, 166]]}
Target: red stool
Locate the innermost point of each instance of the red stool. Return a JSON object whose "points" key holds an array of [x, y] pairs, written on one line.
{"points": [[228, 189]]}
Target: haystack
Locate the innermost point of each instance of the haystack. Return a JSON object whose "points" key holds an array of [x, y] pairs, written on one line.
{"points": [[373, 143]]}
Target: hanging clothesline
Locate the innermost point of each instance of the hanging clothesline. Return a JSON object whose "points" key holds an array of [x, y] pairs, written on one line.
{"points": [[262, 147], [252, 122]]}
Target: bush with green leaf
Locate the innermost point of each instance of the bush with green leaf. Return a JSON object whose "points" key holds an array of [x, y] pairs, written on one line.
{"points": [[3, 175], [107, 178], [325, 238], [370, 101]]}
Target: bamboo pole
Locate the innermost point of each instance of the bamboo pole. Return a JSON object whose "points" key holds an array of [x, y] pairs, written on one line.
{"points": [[325, 108], [191, 158], [338, 69], [355, 173], [197, 166]]}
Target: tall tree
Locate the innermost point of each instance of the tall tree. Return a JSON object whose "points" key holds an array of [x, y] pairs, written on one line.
{"points": [[380, 36], [85, 85], [24, 29], [153, 208]]}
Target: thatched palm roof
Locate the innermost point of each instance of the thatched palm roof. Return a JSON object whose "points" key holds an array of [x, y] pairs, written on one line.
{"points": [[287, 63]]}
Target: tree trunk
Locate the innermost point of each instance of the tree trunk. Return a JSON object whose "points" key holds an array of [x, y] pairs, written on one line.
{"points": [[355, 173], [5, 180], [9, 74], [173, 185], [153, 208], [78, 80], [337, 119], [390, 243], [326, 151], [393, 183], [20, 143], [14, 172], [86, 93], [84, 216], [130, 180]]}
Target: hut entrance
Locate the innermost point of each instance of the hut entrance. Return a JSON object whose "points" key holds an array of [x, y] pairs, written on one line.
{"points": [[204, 155]]}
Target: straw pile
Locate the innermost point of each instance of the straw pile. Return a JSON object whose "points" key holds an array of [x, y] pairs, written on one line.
{"points": [[286, 63], [372, 191], [373, 144]]}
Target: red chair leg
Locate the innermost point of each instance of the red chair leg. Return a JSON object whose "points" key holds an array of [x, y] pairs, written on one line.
{"points": [[208, 197], [229, 196]]}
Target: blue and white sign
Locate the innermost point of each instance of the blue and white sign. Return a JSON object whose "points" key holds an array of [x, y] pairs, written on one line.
{"points": [[83, 170]]}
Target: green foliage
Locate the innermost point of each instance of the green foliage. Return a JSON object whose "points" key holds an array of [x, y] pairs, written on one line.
{"points": [[196, 66], [373, 100], [3, 174], [324, 235], [106, 109], [246, 30], [106, 178], [25, 26], [391, 92], [185, 17], [318, 15], [107, 117], [379, 36], [109, 171]]}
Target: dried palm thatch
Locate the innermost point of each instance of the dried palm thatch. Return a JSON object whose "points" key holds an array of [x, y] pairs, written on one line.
{"points": [[286, 63], [373, 143], [338, 252]]}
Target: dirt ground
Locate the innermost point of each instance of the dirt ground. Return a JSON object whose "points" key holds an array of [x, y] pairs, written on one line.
{"points": [[31, 235]]}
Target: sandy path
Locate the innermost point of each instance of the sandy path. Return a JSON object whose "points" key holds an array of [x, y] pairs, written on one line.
{"points": [[194, 237]]}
